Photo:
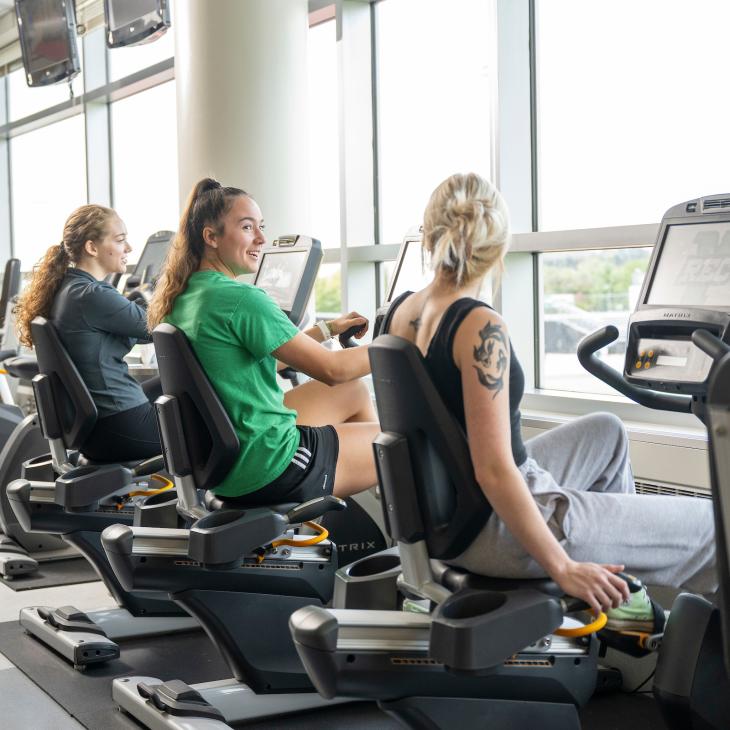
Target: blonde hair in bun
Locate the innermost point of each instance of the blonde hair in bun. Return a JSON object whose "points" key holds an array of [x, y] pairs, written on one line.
{"points": [[466, 228]]}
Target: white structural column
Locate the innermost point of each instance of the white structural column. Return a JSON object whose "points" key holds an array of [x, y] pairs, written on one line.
{"points": [[241, 78], [357, 220]]}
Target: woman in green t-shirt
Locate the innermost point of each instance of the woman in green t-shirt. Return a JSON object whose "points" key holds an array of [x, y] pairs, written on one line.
{"points": [[317, 438]]}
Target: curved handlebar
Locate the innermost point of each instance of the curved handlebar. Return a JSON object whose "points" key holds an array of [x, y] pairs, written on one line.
{"points": [[709, 344], [599, 339], [149, 466], [346, 338], [315, 508]]}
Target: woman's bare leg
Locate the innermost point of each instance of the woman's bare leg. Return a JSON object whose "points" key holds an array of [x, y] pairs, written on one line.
{"points": [[349, 408], [355, 461], [318, 404]]}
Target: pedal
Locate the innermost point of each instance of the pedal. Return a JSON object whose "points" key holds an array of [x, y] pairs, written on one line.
{"points": [[177, 698], [633, 643], [68, 618]]}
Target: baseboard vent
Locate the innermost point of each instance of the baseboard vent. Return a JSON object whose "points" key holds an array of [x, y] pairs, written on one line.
{"points": [[643, 487]]}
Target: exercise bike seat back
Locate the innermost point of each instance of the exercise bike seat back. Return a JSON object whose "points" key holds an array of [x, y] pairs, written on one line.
{"points": [[10, 288], [200, 446], [429, 482], [199, 441], [65, 407], [451, 505]]}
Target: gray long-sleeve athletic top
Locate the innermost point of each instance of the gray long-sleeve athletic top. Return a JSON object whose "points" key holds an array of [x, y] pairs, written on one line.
{"points": [[98, 327]]}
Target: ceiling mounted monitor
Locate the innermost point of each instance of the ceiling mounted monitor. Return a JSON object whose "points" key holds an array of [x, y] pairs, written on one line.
{"points": [[131, 22], [47, 34]]}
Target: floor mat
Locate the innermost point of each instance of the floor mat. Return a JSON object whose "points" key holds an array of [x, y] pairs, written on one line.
{"points": [[54, 573], [606, 712], [619, 711], [87, 695], [193, 658]]}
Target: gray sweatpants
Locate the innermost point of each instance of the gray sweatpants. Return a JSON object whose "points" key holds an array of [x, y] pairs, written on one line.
{"points": [[580, 478]]}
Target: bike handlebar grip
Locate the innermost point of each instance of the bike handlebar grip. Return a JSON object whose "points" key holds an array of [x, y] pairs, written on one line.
{"points": [[587, 349], [597, 340], [346, 338], [149, 466], [315, 508], [710, 344]]}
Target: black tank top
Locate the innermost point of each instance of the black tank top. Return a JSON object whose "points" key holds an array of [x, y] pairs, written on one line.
{"points": [[446, 376]]}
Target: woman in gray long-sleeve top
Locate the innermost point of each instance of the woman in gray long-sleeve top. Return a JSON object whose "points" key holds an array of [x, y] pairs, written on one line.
{"points": [[98, 327]]}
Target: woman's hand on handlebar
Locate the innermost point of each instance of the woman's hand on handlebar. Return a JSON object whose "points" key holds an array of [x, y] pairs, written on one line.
{"points": [[593, 583], [347, 321]]}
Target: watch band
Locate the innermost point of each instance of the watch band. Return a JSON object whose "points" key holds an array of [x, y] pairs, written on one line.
{"points": [[324, 328]]}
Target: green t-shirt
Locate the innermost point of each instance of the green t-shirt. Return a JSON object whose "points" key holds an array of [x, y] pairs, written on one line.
{"points": [[233, 329]]}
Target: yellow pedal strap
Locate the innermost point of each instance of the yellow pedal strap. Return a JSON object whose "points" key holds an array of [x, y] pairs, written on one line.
{"points": [[167, 485], [321, 536], [596, 625]]}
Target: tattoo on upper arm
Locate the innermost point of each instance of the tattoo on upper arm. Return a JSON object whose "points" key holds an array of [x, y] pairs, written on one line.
{"points": [[492, 357], [415, 323]]}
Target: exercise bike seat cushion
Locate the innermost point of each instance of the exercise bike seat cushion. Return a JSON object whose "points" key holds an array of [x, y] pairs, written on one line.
{"points": [[214, 502], [86, 461], [456, 579]]}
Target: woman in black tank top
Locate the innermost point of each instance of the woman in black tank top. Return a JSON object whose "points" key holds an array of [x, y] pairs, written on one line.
{"points": [[564, 503], [467, 352]]}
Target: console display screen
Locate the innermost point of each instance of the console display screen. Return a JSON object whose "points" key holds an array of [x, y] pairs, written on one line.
{"points": [[279, 275], [413, 273], [150, 262], [693, 268]]}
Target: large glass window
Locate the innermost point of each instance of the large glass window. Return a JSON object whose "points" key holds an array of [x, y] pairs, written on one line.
{"points": [[324, 175], [583, 291], [436, 74], [144, 163], [48, 182], [24, 100], [630, 115], [327, 292]]}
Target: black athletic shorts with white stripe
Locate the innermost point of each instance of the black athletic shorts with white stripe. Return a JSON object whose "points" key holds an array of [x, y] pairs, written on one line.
{"points": [[310, 474]]}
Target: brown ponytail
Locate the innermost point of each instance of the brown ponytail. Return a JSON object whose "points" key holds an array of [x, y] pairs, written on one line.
{"points": [[87, 223], [208, 203]]}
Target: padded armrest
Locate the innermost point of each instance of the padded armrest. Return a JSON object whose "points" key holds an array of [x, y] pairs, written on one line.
{"points": [[459, 579], [225, 536], [472, 631], [86, 485], [5, 354], [22, 366]]}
